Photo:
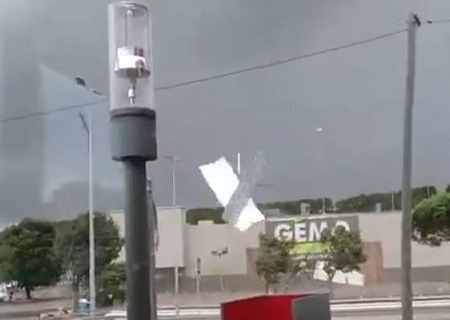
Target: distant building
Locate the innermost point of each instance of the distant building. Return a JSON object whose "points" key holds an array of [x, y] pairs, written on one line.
{"points": [[305, 208], [186, 250], [274, 213], [171, 253]]}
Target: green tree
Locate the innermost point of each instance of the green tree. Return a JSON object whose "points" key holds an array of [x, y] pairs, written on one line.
{"points": [[366, 202], [298, 266], [273, 260], [294, 207], [431, 220], [72, 245], [111, 284], [344, 251], [388, 200], [27, 255], [421, 193]]}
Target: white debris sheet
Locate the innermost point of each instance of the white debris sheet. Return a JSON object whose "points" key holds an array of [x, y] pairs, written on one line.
{"points": [[224, 182]]}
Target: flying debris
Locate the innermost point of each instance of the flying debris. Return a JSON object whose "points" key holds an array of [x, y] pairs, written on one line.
{"points": [[240, 210]]}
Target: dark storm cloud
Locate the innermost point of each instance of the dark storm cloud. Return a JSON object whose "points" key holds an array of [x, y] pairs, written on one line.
{"points": [[71, 199], [355, 95], [21, 144]]}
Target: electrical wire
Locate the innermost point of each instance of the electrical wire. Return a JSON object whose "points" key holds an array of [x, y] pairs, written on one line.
{"points": [[279, 62], [219, 76], [44, 113]]}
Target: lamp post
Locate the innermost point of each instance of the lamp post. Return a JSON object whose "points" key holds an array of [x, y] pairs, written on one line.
{"points": [[87, 125], [174, 160], [219, 253], [238, 164], [319, 130], [133, 142]]}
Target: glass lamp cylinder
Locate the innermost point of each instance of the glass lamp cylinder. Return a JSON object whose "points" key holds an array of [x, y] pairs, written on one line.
{"points": [[130, 58]]}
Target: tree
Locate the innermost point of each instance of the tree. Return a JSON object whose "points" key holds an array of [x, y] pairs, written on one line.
{"points": [[344, 251], [368, 202], [431, 220], [294, 207], [27, 255], [273, 260], [359, 203], [111, 284], [72, 246], [299, 266]]}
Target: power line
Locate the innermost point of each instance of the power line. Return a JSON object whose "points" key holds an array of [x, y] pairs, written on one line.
{"points": [[44, 113], [279, 62], [218, 76]]}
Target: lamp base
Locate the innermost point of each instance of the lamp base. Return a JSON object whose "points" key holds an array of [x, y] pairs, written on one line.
{"points": [[133, 134]]}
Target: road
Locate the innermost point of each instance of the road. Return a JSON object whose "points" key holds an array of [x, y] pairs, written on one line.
{"points": [[417, 316], [442, 316], [431, 309], [436, 309]]}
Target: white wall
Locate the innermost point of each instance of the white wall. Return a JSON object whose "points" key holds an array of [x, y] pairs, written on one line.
{"points": [[202, 239], [386, 228], [181, 245], [171, 224], [172, 237]]}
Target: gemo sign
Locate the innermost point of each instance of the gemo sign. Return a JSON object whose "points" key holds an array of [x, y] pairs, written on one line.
{"points": [[309, 229]]}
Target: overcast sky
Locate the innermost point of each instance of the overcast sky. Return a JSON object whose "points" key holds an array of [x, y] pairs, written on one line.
{"points": [[356, 95]]}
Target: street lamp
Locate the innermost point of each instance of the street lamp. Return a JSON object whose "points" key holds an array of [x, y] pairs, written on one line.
{"points": [[219, 253], [133, 142], [238, 164], [319, 130], [174, 160], [87, 125]]}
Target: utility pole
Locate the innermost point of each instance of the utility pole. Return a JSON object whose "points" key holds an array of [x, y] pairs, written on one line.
{"points": [[219, 253], [174, 160], [239, 163], [324, 206], [92, 287], [393, 201], [407, 293], [319, 130], [174, 186], [87, 125]]}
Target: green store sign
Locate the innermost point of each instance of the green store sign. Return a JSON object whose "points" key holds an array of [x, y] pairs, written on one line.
{"points": [[306, 232]]}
